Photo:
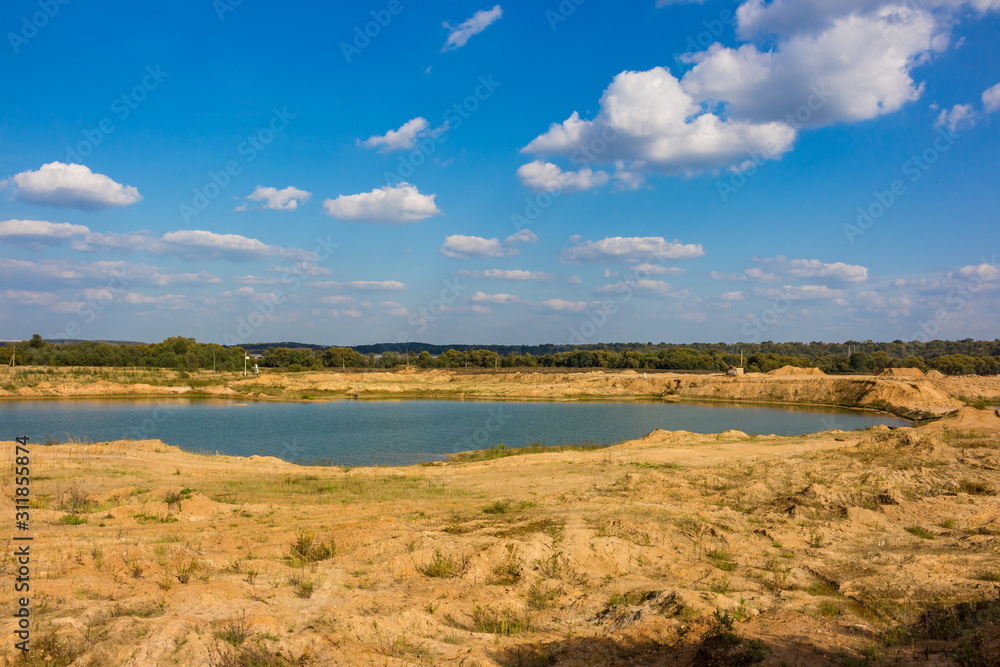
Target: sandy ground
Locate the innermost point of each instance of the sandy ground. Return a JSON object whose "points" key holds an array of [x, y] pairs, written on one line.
{"points": [[912, 397], [873, 547]]}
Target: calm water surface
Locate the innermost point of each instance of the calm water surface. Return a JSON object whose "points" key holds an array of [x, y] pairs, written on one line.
{"points": [[396, 432]]}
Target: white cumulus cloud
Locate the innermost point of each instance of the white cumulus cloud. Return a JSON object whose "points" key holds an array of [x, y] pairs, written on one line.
{"points": [[471, 27], [286, 199], [649, 122], [858, 68], [547, 177], [621, 249], [402, 139], [400, 204], [459, 246], [70, 186], [38, 233], [991, 99]]}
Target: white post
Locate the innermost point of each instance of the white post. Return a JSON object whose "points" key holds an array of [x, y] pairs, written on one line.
{"points": [[246, 358]]}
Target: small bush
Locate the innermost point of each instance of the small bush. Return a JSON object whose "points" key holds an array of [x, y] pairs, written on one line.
{"points": [[235, 631], [498, 507], [72, 520], [920, 532], [304, 587], [977, 488], [306, 549], [441, 566], [504, 622], [506, 572]]}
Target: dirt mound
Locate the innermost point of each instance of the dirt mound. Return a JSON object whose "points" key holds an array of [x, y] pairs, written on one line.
{"points": [[901, 373], [795, 370], [933, 373]]}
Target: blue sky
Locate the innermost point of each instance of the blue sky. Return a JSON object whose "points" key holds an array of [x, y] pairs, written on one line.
{"points": [[521, 172]]}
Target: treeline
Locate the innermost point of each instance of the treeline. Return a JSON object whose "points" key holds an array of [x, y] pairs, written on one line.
{"points": [[815, 350], [177, 352], [966, 357]]}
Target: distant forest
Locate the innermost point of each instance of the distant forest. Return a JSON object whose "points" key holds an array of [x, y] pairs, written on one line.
{"points": [[963, 357]]}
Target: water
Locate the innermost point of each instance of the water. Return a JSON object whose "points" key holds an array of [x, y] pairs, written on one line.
{"points": [[396, 432]]}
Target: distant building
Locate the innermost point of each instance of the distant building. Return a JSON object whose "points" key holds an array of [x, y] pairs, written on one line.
{"points": [[734, 370]]}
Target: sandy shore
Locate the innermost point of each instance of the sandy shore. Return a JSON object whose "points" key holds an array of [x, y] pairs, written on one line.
{"points": [[673, 549], [912, 397]]}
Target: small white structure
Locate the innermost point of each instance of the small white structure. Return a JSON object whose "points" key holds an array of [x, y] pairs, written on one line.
{"points": [[734, 370]]}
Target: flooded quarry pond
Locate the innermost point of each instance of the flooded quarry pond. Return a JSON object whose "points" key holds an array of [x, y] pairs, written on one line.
{"points": [[380, 432]]}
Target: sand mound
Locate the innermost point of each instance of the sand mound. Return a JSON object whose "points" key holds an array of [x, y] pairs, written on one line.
{"points": [[935, 374], [795, 370], [901, 373]]}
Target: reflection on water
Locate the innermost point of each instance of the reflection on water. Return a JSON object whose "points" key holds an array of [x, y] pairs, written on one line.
{"points": [[398, 432]]}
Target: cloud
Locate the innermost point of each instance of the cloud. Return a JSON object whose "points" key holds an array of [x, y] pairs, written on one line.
{"points": [[731, 296], [991, 99], [783, 17], [653, 287], [619, 249], [197, 244], [191, 244], [984, 271], [65, 271], [547, 177], [461, 33], [775, 269], [514, 275], [306, 268], [960, 116], [649, 122], [503, 299], [200, 278], [401, 204], [402, 139], [377, 285], [658, 270], [561, 306], [394, 308], [460, 246], [38, 233], [858, 68], [523, 236], [287, 199], [813, 268], [30, 298], [803, 293], [70, 186], [575, 280]]}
